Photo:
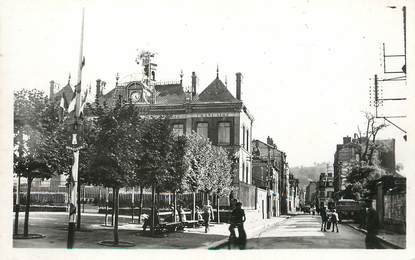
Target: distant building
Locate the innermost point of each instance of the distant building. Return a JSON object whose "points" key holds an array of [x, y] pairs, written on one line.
{"points": [[293, 195], [301, 194], [348, 154], [325, 193], [310, 193], [268, 168]]}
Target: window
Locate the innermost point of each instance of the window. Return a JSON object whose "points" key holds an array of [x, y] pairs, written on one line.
{"points": [[178, 129], [202, 129], [247, 174], [224, 133], [243, 171], [243, 136], [247, 139]]}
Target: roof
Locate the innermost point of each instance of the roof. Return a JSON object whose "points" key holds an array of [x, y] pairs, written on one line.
{"points": [[170, 93], [216, 92], [108, 98]]}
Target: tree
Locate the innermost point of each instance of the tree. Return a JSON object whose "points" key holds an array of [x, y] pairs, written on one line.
{"points": [[153, 149], [35, 140], [109, 164], [221, 174], [208, 167], [366, 169]]}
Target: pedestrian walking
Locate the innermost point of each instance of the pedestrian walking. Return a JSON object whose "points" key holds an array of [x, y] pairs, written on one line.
{"points": [[237, 221], [323, 215], [334, 220], [372, 223], [207, 215]]}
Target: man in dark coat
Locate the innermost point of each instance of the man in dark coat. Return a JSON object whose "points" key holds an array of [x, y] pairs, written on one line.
{"points": [[372, 223], [323, 214]]}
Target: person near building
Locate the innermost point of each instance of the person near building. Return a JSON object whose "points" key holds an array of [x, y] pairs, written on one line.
{"points": [[237, 221], [207, 215], [334, 220], [372, 225], [182, 214], [198, 216], [149, 219], [323, 215]]}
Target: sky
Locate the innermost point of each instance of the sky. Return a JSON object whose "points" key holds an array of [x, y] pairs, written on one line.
{"points": [[307, 65]]}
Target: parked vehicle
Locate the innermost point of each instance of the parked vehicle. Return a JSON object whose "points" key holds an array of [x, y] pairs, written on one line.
{"points": [[348, 209]]}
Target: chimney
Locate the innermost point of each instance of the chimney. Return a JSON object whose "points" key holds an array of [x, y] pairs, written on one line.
{"points": [[51, 90], [194, 81], [238, 85], [98, 92], [270, 141], [347, 140]]}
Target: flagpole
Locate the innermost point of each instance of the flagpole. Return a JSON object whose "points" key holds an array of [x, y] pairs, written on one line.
{"points": [[75, 176]]}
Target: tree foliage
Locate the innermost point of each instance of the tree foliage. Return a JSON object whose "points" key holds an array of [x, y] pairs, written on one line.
{"points": [[365, 170], [36, 142], [209, 167]]}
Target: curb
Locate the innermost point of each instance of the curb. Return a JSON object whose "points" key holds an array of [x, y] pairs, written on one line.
{"points": [[257, 231], [391, 244]]}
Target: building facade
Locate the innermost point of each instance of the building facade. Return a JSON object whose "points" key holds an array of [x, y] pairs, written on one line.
{"points": [[325, 194], [348, 154], [214, 113], [268, 167], [310, 193]]}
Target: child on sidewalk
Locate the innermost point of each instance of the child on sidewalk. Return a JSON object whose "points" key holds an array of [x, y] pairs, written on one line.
{"points": [[334, 220]]}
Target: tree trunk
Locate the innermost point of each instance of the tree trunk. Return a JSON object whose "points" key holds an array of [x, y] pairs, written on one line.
{"points": [[203, 198], [26, 215], [106, 206], [174, 206], [153, 213], [217, 207], [115, 212], [113, 206], [140, 209], [17, 207], [132, 206], [16, 219], [194, 206], [78, 207]]}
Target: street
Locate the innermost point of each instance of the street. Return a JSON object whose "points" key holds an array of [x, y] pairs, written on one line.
{"points": [[303, 232]]}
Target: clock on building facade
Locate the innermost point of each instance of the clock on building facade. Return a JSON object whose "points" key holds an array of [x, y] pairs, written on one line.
{"points": [[138, 93]]}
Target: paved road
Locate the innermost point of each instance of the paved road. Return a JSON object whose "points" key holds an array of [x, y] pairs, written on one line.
{"points": [[303, 232]]}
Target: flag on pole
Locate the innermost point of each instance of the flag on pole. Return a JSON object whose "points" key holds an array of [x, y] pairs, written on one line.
{"points": [[67, 96], [81, 110], [71, 106]]}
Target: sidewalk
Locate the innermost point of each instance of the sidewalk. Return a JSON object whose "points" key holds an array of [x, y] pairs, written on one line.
{"points": [[393, 240], [54, 226]]}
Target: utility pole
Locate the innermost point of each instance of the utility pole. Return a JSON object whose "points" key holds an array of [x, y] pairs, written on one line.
{"points": [[75, 131], [269, 178]]}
